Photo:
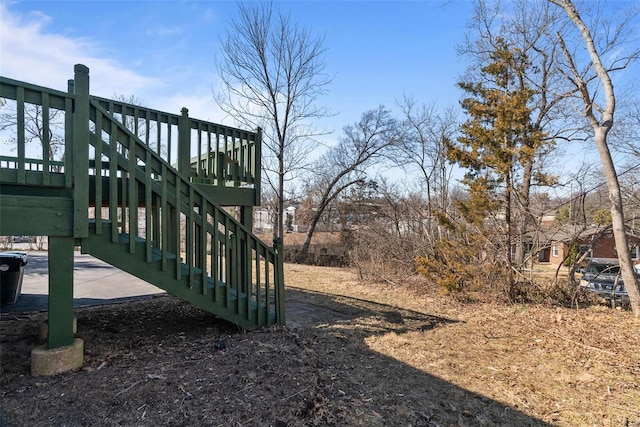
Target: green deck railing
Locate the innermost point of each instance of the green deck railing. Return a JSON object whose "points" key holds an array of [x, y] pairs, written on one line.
{"points": [[131, 171], [207, 152], [27, 113]]}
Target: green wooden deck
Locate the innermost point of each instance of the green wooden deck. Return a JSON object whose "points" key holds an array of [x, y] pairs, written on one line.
{"points": [[143, 190]]}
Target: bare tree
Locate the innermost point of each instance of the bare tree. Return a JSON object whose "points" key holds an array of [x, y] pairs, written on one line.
{"points": [[47, 131], [137, 127], [422, 153], [272, 73], [627, 130], [422, 148], [388, 235], [344, 165], [591, 79]]}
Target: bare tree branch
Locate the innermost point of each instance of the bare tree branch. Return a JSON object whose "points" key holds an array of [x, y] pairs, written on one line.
{"points": [[272, 74]]}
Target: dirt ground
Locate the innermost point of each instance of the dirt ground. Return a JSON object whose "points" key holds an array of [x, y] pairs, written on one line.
{"points": [[351, 355]]}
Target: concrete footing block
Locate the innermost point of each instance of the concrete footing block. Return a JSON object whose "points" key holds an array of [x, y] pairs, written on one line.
{"points": [[45, 361]]}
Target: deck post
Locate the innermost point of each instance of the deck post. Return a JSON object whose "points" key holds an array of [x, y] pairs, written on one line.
{"points": [[63, 352], [60, 291], [184, 143], [279, 281], [246, 217], [81, 153], [68, 137], [257, 166]]}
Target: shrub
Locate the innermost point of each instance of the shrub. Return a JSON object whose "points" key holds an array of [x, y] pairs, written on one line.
{"points": [[462, 267]]}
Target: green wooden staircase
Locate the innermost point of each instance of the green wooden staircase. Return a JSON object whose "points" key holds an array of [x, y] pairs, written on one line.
{"points": [[240, 305], [164, 197]]}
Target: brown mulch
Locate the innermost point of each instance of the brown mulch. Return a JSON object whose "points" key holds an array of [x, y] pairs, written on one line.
{"points": [[356, 356]]}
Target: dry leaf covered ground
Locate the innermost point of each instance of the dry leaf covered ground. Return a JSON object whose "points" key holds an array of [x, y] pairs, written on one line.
{"points": [[352, 354]]}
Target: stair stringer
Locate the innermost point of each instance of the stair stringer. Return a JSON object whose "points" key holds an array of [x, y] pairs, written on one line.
{"points": [[212, 299]]}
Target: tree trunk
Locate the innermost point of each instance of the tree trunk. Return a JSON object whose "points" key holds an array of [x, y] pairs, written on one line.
{"points": [[525, 215], [310, 231], [617, 221], [278, 227], [510, 277], [601, 129]]}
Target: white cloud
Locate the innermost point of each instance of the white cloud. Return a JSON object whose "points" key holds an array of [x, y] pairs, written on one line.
{"points": [[30, 53]]}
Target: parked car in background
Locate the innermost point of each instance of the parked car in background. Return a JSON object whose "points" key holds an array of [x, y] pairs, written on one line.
{"points": [[23, 239], [602, 276]]}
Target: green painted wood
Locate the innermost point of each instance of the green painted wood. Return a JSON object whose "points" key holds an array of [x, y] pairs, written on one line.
{"points": [[45, 141], [32, 94], [166, 220], [132, 192], [147, 128], [226, 196], [279, 286], [35, 215], [267, 286], [30, 178], [202, 245], [149, 211], [216, 257], [21, 136], [175, 230], [68, 130], [235, 267], [97, 181], [219, 139], [228, 253], [113, 183], [189, 243], [174, 282], [60, 291], [257, 168], [245, 266], [229, 162], [189, 206], [184, 143], [81, 152]]}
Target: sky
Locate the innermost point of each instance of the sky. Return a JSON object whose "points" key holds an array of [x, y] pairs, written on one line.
{"points": [[163, 52]]}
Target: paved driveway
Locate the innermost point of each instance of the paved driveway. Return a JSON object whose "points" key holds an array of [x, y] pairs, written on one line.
{"points": [[95, 282]]}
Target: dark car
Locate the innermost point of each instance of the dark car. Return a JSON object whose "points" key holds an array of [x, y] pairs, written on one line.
{"points": [[602, 276]]}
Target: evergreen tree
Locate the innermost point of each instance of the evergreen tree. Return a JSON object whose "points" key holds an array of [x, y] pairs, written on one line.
{"points": [[498, 140]]}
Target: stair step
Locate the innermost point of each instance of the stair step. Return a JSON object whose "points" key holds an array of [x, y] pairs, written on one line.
{"points": [[218, 298]]}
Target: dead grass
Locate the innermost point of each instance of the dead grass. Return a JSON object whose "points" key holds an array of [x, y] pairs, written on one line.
{"points": [[564, 366]]}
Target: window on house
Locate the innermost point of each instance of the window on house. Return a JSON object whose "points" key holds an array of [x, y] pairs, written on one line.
{"points": [[554, 250], [635, 253]]}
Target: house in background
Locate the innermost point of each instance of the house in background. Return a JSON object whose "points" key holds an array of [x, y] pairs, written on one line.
{"points": [[264, 218], [598, 244]]}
